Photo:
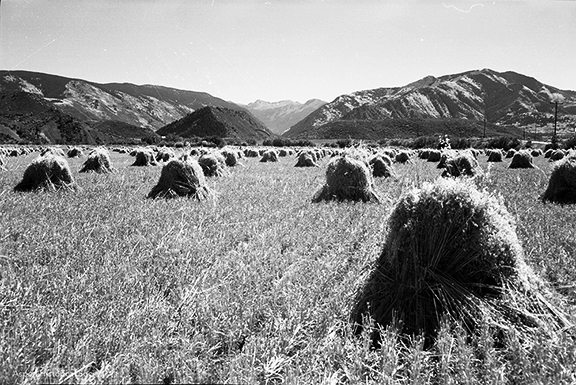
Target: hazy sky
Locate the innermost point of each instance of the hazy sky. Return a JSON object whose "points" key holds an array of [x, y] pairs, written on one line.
{"points": [[287, 49]]}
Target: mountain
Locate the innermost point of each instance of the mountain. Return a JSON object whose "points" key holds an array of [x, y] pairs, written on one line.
{"points": [[459, 101], [280, 116], [36, 104], [218, 121]]}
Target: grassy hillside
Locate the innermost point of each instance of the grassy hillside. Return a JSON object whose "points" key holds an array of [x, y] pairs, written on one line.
{"points": [[253, 286]]}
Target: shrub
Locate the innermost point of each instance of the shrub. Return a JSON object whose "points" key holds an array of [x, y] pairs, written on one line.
{"points": [[504, 143], [569, 143]]}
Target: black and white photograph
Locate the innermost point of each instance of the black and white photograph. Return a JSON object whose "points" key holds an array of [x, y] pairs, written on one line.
{"points": [[288, 192]]}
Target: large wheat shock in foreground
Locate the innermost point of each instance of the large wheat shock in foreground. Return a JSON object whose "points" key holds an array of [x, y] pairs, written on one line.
{"points": [[452, 251]]}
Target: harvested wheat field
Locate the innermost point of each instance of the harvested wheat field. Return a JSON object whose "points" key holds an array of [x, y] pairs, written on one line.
{"points": [[257, 284]]}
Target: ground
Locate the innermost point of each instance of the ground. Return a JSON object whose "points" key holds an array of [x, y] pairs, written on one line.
{"points": [[252, 286]]}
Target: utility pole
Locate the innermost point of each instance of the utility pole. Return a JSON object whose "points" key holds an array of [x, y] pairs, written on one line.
{"points": [[484, 97], [555, 116], [555, 99]]}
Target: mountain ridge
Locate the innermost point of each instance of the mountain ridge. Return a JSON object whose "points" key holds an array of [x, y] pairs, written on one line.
{"points": [[33, 105], [506, 98], [148, 105]]}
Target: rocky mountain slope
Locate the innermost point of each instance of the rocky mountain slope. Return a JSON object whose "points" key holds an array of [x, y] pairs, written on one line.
{"points": [[506, 98], [280, 116], [218, 121], [33, 105]]}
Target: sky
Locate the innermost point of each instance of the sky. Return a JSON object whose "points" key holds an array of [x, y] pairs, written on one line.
{"points": [[275, 50]]}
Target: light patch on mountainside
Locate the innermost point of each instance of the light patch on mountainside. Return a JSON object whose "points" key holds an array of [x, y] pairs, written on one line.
{"points": [[90, 98], [24, 85], [423, 103], [146, 110]]}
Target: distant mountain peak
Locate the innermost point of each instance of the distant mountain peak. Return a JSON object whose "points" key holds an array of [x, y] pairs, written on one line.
{"points": [[424, 82], [281, 115], [264, 105]]}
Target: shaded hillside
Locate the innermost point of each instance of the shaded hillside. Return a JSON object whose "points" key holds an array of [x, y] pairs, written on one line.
{"points": [[29, 118], [505, 98], [280, 116], [218, 121], [409, 128], [119, 130]]}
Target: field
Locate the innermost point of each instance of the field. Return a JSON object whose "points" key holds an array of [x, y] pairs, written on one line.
{"points": [[255, 285]]}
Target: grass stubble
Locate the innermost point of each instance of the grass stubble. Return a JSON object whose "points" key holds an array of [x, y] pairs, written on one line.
{"points": [[254, 285]]}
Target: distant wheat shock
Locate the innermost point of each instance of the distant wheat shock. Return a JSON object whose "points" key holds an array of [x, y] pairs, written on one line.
{"points": [[522, 159], [269, 156], [494, 156], [98, 161], [306, 159], [181, 178], [212, 165], [347, 179], [381, 167], [461, 164], [434, 156], [164, 154], [231, 157], [144, 157], [403, 157], [75, 152]]}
